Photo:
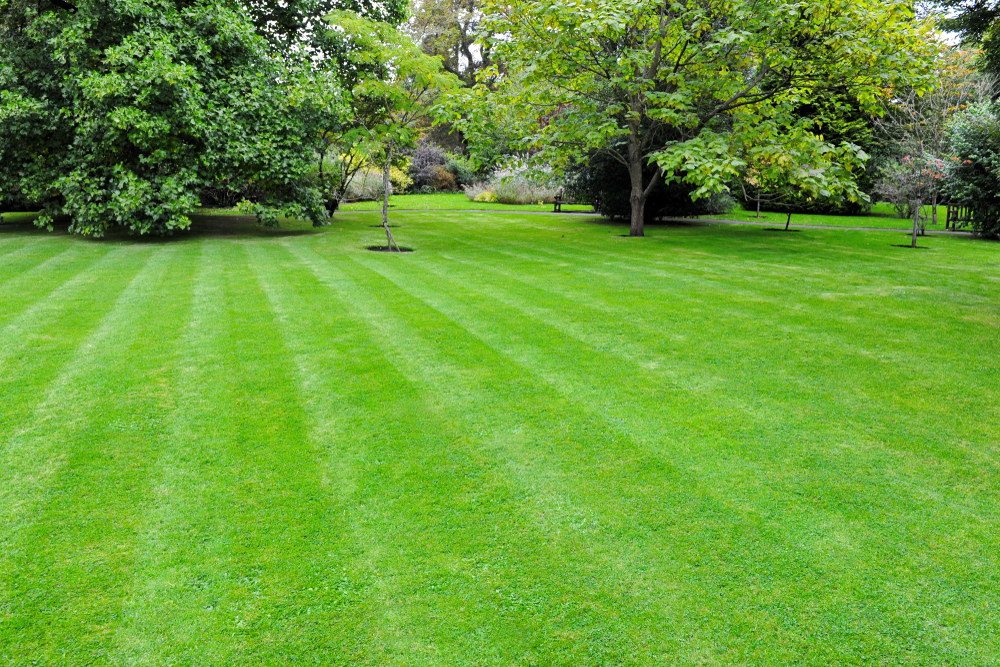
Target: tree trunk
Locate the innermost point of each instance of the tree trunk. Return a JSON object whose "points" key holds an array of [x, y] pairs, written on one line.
{"points": [[389, 240], [637, 197], [934, 210], [758, 204], [916, 224], [637, 200], [788, 220]]}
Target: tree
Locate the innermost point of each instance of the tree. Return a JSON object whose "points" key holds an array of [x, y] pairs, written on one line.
{"points": [[978, 24], [449, 28], [396, 88], [122, 114], [682, 85], [800, 166], [913, 179], [974, 171], [916, 122], [299, 25]]}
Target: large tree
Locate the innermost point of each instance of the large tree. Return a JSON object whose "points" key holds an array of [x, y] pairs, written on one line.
{"points": [[121, 112], [685, 84], [449, 29], [978, 24]]}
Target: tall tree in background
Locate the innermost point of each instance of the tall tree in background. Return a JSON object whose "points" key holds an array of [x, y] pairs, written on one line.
{"points": [[298, 25], [449, 29], [683, 85], [978, 23]]}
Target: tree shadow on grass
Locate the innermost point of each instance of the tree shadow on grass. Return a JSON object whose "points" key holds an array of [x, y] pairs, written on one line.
{"points": [[226, 226], [653, 224]]}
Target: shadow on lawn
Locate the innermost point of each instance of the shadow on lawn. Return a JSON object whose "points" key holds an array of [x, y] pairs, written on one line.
{"points": [[599, 221], [202, 227]]}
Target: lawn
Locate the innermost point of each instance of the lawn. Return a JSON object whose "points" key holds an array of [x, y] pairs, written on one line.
{"points": [[530, 442], [882, 216], [453, 202]]}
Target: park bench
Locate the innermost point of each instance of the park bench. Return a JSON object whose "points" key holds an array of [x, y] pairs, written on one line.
{"points": [[561, 199], [958, 217]]}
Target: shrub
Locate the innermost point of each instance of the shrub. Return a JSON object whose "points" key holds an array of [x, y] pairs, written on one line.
{"points": [[442, 179], [605, 182], [481, 192], [513, 185], [367, 183], [423, 159], [974, 176], [461, 168]]}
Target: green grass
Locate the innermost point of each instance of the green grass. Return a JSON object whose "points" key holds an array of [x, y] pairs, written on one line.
{"points": [[530, 442], [882, 216], [453, 202]]}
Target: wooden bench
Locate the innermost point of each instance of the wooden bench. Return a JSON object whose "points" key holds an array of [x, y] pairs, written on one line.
{"points": [[958, 217], [558, 202]]}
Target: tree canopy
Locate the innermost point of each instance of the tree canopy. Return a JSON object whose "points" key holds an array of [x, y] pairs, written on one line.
{"points": [[686, 85], [122, 112]]}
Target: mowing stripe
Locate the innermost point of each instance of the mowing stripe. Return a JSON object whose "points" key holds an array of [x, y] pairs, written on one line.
{"points": [[466, 484], [237, 566], [45, 336], [660, 338], [36, 282], [72, 476], [825, 523]]}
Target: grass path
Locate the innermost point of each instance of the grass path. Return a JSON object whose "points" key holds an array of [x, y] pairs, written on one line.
{"points": [[532, 441]]}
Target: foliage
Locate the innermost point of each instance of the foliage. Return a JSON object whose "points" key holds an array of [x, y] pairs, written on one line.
{"points": [[800, 167], [602, 181], [978, 23], [423, 159], [516, 184], [480, 192], [448, 29], [429, 161], [395, 88], [840, 121], [121, 113], [916, 123], [462, 168], [685, 85], [297, 26], [974, 173], [910, 181]]}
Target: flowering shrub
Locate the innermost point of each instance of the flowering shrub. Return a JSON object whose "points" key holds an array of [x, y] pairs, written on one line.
{"points": [[910, 180]]}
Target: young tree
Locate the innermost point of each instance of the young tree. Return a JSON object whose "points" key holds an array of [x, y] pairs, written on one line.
{"points": [[916, 122], [683, 85], [913, 179], [800, 166], [396, 88]]}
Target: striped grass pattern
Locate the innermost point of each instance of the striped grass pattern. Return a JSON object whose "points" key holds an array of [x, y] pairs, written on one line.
{"points": [[531, 441]]}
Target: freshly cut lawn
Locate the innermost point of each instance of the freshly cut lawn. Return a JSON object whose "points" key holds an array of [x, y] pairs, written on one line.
{"points": [[453, 202], [882, 216], [530, 442]]}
